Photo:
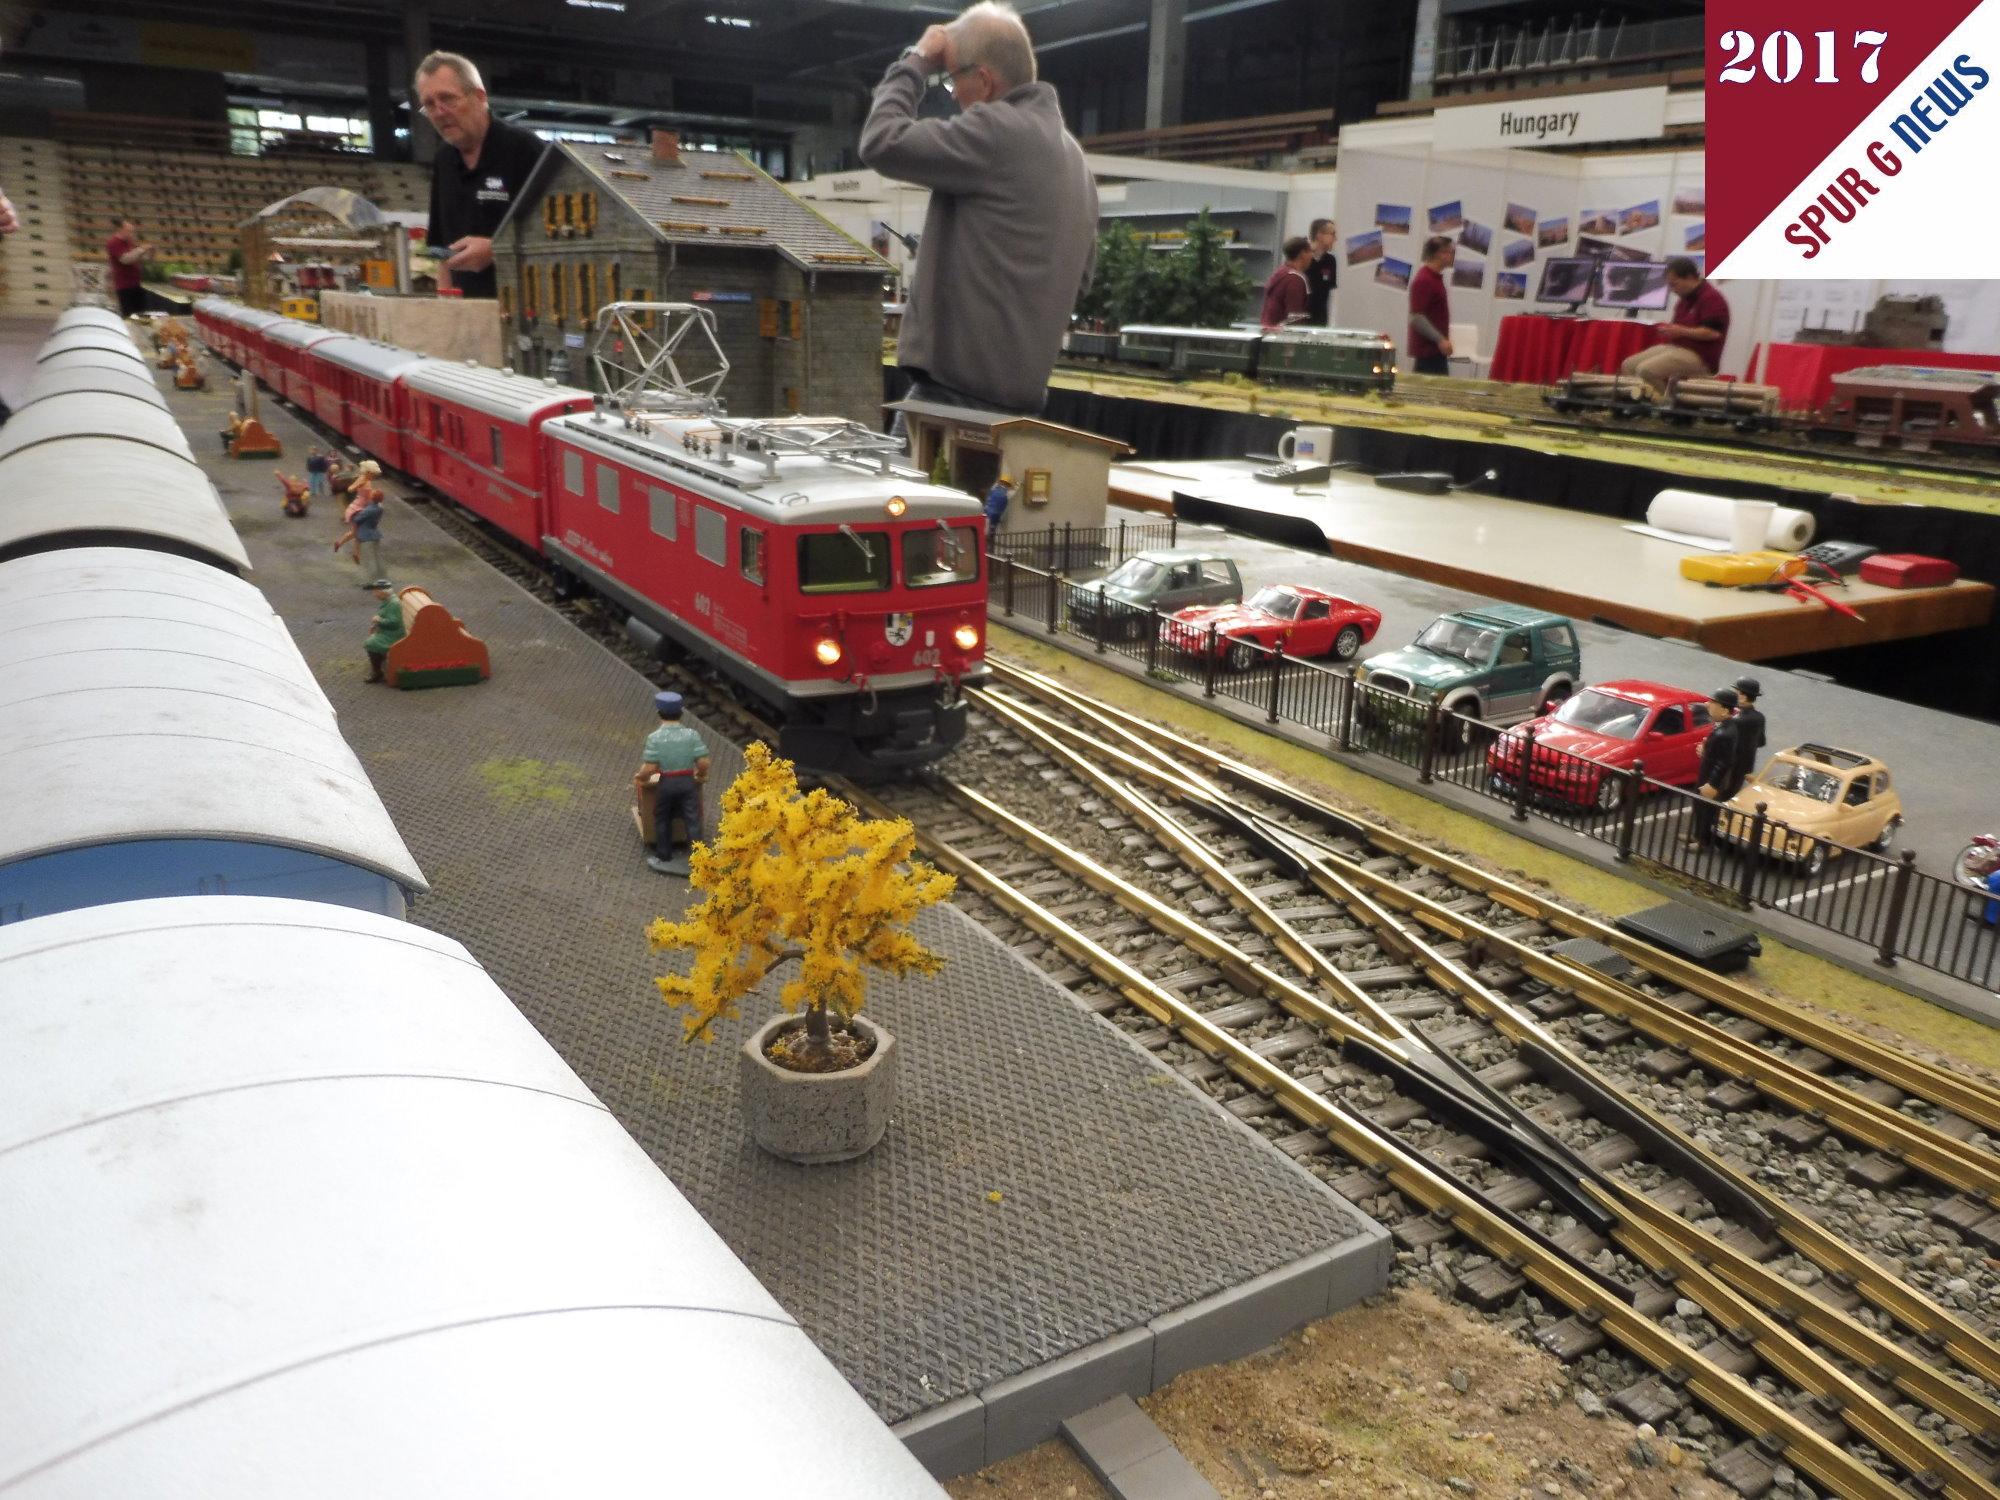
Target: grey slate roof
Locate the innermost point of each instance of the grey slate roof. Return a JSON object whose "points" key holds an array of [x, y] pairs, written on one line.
{"points": [[743, 204]]}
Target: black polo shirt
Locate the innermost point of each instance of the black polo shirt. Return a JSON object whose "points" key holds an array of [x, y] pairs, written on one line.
{"points": [[1322, 271], [474, 202]]}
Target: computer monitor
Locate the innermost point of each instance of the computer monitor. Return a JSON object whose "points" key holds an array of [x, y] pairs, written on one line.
{"points": [[1635, 285], [1566, 279]]}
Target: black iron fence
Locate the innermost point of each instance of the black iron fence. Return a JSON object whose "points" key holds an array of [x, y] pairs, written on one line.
{"points": [[1084, 549], [1735, 856]]}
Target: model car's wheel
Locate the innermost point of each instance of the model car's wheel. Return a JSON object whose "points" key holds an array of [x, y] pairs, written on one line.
{"points": [[1610, 791], [1240, 657], [1889, 831], [1815, 862], [1347, 643], [1553, 699]]}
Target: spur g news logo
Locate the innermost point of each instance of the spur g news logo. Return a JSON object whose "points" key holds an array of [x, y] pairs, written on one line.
{"points": [[1851, 138]]}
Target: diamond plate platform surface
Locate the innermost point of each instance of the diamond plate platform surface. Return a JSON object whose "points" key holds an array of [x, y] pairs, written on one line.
{"points": [[1122, 1194]]}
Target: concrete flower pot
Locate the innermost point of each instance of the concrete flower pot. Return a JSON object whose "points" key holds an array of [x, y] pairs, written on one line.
{"points": [[817, 1117]]}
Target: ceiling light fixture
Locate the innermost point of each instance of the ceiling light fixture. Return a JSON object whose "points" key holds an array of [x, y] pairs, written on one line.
{"points": [[598, 4]]}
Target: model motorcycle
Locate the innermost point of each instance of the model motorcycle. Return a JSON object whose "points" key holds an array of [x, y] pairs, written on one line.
{"points": [[1978, 860]]}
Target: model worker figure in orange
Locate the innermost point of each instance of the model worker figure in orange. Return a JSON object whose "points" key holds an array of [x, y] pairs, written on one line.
{"points": [[298, 498]]}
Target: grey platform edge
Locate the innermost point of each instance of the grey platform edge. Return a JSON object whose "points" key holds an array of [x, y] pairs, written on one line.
{"points": [[1018, 1413]]}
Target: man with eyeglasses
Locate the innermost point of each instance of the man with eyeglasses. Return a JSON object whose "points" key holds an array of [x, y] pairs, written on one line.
{"points": [[472, 185], [1010, 238]]}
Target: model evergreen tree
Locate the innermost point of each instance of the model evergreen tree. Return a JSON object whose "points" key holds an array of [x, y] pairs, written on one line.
{"points": [[1201, 285], [1122, 287]]}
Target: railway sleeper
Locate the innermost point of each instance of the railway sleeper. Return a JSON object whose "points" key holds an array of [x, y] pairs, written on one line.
{"points": [[1417, 1007], [1878, 1171], [1610, 1032], [1581, 1242], [1665, 1063], [1423, 1230], [1461, 1034], [1801, 1132], [1654, 1400], [1514, 1193], [1750, 1469], [1956, 1126], [1303, 1143], [1878, 1091], [1508, 1073], [1734, 1096], [1491, 1286], [1570, 1339]]}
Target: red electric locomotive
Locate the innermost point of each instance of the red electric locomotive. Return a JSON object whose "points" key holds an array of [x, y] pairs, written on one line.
{"points": [[473, 434], [844, 596]]}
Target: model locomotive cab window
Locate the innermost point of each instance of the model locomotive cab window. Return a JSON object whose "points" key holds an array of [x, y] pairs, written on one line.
{"points": [[750, 553], [844, 561], [607, 488], [940, 554], [660, 512], [711, 534], [573, 472]]}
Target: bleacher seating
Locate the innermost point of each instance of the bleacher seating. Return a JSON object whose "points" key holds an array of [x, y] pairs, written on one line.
{"points": [[188, 203], [35, 278]]}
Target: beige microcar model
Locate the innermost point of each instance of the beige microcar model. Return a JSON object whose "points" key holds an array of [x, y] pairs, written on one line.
{"points": [[1818, 799]]}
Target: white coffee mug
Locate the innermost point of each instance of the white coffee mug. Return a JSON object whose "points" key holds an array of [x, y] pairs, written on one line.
{"points": [[1307, 445]]}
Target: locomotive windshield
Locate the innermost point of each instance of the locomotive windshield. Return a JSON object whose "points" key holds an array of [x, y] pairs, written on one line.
{"points": [[843, 562], [934, 555]]}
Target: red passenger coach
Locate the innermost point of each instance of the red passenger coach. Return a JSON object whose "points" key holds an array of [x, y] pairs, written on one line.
{"points": [[293, 350], [472, 434], [366, 404], [843, 596]]}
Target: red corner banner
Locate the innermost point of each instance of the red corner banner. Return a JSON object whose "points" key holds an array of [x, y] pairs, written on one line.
{"points": [[1849, 138]]}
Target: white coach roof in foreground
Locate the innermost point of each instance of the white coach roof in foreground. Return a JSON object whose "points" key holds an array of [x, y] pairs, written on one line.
{"points": [[300, 1205], [60, 377], [122, 668], [93, 414], [97, 485], [88, 317], [89, 336]]}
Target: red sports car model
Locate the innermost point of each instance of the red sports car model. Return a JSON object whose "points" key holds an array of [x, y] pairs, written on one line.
{"points": [[1610, 724], [1309, 622]]}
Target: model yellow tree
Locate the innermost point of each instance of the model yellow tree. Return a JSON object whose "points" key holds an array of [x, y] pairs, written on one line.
{"points": [[794, 875]]}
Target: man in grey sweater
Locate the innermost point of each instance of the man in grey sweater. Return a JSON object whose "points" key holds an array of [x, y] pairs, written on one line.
{"points": [[1010, 239]]}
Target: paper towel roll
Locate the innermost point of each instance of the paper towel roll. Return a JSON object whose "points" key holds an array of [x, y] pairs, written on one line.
{"points": [[1714, 517], [1464, 340]]}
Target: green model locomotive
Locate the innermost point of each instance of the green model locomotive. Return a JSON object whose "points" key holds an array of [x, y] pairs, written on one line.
{"points": [[1343, 358]]}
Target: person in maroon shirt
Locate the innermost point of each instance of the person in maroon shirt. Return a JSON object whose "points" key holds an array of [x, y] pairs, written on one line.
{"points": [[1430, 309], [1288, 295], [128, 260], [1691, 340]]}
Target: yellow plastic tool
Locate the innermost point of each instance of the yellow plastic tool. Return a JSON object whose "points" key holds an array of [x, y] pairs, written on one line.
{"points": [[1729, 569]]}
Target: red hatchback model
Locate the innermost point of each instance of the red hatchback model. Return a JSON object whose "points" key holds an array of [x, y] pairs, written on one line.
{"points": [[1309, 622], [1610, 724]]}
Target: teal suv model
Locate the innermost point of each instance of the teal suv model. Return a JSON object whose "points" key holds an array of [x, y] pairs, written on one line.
{"points": [[1500, 663]]}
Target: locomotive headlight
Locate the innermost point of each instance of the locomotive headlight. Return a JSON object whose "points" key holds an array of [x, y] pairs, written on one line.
{"points": [[827, 650], [897, 505], [967, 637]]}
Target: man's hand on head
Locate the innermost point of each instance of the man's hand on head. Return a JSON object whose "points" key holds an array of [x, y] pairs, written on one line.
{"points": [[473, 253], [933, 49]]}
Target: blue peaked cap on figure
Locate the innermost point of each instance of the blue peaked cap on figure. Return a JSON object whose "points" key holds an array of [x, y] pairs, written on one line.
{"points": [[667, 703]]}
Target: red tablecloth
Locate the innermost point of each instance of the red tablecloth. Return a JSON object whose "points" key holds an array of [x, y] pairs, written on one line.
{"points": [[1804, 372], [1537, 350]]}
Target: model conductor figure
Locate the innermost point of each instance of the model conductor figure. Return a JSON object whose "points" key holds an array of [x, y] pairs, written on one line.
{"points": [[1010, 237], [677, 760], [1720, 774]]}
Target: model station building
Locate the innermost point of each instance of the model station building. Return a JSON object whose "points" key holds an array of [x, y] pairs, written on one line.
{"points": [[797, 302]]}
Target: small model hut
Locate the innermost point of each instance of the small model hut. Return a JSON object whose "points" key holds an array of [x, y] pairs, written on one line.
{"points": [[797, 302]]}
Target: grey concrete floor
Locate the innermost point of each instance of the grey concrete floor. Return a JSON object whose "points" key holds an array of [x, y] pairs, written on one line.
{"points": [[1946, 767]]}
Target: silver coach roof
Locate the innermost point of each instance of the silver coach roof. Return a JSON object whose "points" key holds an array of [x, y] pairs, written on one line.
{"points": [[124, 668], [93, 414], [809, 490], [498, 393], [90, 336], [369, 357], [300, 1205], [236, 312], [96, 484], [88, 317], [302, 335], [59, 377]]}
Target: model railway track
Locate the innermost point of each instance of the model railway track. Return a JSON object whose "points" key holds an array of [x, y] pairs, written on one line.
{"points": [[1369, 962], [1744, 1277]]}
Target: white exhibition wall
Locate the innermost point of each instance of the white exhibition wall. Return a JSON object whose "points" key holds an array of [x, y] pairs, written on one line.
{"points": [[1558, 193]]}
